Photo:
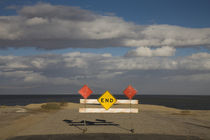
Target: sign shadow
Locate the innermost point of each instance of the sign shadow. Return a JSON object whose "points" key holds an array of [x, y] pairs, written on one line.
{"points": [[98, 122]]}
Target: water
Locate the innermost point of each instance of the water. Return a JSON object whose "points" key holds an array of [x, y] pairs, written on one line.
{"points": [[175, 101]]}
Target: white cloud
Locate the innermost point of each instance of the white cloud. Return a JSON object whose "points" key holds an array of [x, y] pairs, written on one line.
{"points": [[90, 64], [13, 65], [145, 51], [9, 28], [35, 77], [140, 63], [107, 74], [55, 26], [83, 60], [36, 21], [10, 63], [201, 55], [193, 77], [167, 35], [38, 62], [15, 74], [78, 68], [190, 63]]}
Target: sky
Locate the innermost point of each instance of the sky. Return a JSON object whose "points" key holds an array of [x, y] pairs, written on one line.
{"points": [[55, 47]]}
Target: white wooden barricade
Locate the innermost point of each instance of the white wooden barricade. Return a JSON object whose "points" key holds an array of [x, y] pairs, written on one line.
{"points": [[111, 110]]}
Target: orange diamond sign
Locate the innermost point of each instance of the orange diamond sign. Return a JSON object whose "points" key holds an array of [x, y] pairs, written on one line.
{"points": [[85, 91], [130, 92]]}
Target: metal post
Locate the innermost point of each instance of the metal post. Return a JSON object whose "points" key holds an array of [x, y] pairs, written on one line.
{"points": [[85, 129], [132, 130]]}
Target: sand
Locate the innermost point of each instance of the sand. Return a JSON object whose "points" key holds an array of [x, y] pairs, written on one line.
{"points": [[152, 122]]}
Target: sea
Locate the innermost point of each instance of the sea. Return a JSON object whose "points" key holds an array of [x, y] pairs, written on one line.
{"points": [[175, 101]]}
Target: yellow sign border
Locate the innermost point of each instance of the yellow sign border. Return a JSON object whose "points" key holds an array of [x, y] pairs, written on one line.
{"points": [[111, 96]]}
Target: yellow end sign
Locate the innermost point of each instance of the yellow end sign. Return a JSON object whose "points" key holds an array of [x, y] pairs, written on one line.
{"points": [[107, 100]]}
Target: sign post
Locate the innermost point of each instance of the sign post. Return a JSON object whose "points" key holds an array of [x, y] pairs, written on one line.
{"points": [[85, 91], [130, 92], [107, 100]]}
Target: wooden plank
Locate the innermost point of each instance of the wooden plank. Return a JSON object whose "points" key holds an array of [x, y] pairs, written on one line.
{"points": [[111, 110], [120, 101]]}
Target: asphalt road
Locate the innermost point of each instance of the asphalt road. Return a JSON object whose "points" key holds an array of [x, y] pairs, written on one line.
{"points": [[147, 124], [106, 137]]}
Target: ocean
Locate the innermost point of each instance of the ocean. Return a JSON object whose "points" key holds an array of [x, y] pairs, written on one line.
{"points": [[175, 101]]}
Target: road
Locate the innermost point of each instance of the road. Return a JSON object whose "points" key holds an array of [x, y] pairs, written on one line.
{"points": [[155, 120]]}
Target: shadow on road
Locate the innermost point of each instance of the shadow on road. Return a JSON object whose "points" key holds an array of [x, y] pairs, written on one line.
{"points": [[98, 122], [199, 125], [89, 123], [106, 136]]}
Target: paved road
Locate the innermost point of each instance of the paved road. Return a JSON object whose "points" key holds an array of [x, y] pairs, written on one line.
{"points": [[105, 136], [69, 121]]}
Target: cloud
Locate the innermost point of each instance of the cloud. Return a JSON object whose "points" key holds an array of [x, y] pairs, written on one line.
{"points": [[167, 35], [203, 77], [202, 55], [76, 65], [50, 68], [83, 60], [91, 63], [15, 74], [45, 10], [49, 26], [73, 69], [145, 51], [36, 21], [156, 63], [31, 77]]}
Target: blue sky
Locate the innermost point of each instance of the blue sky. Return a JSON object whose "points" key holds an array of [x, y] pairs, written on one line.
{"points": [[158, 46], [187, 13]]}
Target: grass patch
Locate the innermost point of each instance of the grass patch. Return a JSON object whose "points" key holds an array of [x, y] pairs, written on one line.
{"points": [[63, 103], [3, 106], [183, 112], [51, 106]]}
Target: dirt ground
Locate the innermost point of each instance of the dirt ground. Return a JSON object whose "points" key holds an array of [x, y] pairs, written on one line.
{"points": [[152, 122]]}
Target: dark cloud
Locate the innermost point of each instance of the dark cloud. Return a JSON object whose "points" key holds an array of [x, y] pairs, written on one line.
{"points": [[45, 10], [50, 44], [102, 70], [49, 26]]}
